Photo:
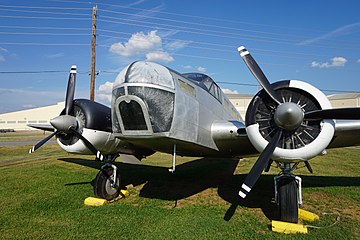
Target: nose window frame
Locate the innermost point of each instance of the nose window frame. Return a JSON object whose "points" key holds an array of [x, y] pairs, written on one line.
{"points": [[127, 99]]}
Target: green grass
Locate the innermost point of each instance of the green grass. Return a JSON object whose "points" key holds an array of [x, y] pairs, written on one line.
{"points": [[22, 136], [42, 194]]}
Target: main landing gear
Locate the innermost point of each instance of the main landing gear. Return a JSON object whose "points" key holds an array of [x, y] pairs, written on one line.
{"points": [[107, 184], [288, 193]]}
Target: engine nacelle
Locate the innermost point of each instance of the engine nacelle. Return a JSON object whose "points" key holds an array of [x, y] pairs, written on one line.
{"points": [[303, 143], [94, 123]]}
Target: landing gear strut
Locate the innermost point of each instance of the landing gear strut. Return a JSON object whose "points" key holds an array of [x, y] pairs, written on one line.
{"points": [[107, 181], [288, 194]]}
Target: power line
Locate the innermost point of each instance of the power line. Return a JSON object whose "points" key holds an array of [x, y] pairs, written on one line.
{"points": [[186, 31], [41, 7], [44, 18], [189, 16], [220, 50], [47, 34], [32, 72], [42, 12], [210, 34], [208, 43], [183, 15], [193, 23], [48, 27], [44, 44], [214, 26], [217, 49], [193, 29], [41, 71]]}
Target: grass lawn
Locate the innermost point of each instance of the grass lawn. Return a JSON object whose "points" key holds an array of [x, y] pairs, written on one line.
{"points": [[42, 194]]}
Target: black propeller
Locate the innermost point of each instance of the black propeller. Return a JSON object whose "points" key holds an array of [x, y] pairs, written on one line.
{"points": [[288, 117], [42, 142], [258, 73], [337, 113], [70, 92], [260, 165], [68, 123]]}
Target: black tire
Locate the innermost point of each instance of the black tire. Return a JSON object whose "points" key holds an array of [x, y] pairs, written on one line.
{"points": [[288, 200], [102, 184]]}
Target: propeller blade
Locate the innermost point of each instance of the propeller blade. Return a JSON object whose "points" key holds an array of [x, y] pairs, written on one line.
{"points": [[44, 127], [88, 144], [42, 142], [260, 165], [258, 73], [336, 113], [69, 98]]}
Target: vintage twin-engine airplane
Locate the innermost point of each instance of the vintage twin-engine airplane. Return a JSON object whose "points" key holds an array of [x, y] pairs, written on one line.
{"points": [[155, 108]]}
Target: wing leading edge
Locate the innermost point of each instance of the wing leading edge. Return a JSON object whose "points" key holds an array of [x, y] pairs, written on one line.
{"points": [[347, 133]]}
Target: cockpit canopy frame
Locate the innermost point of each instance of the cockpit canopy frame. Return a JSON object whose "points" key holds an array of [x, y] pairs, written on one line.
{"points": [[206, 83]]}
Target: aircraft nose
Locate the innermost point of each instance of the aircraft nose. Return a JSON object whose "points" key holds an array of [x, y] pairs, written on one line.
{"points": [[143, 99]]}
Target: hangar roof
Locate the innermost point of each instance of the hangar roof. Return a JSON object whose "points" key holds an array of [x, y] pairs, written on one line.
{"points": [[344, 96]]}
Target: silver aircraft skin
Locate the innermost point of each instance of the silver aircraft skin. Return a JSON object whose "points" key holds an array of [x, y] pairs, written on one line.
{"points": [[156, 109], [176, 111]]}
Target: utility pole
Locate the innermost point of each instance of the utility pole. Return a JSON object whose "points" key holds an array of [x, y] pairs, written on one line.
{"points": [[93, 45]]}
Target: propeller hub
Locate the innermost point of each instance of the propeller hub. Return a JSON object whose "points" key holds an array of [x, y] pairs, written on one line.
{"points": [[64, 123], [288, 116]]}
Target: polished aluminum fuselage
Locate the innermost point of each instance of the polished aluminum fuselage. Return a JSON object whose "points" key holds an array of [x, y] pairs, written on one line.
{"points": [[198, 122]]}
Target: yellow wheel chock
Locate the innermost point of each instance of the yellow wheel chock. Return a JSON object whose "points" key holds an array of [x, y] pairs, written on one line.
{"points": [[93, 201], [293, 228]]}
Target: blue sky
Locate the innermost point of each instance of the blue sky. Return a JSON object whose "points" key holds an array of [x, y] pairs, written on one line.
{"points": [[314, 41]]}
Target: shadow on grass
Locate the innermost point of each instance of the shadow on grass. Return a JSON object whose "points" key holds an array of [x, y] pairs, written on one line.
{"points": [[196, 176]]}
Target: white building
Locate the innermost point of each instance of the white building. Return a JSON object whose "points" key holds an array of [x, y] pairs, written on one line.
{"points": [[19, 120]]}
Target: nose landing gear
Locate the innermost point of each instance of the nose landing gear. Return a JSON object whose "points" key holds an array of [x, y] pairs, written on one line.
{"points": [[107, 181], [288, 194]]}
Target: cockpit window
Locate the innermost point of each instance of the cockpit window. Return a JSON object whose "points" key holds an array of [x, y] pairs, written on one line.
{"points": [[198, 77], [205, 82]]}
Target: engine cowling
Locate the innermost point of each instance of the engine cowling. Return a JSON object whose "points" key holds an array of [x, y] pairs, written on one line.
{"points": [[301, 139], [94, 123]]}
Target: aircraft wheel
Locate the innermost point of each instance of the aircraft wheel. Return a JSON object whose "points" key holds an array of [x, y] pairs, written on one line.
{"points": [[102, 184], [288, 200]]}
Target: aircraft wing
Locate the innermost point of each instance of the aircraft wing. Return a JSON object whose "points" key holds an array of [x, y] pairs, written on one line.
{"points": [[347, 133]]}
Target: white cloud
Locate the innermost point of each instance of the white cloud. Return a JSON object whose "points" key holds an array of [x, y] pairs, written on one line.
{"points": [[198, 69], [344, 30], [187, 67], [201, 69], [104, 93], [335, 62], [149, 45], [136, 3], [229, 91], [159, 56], [358, 61], [55, 55], [175, 45], [139, 43], [3, 49], [2, 58]]}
